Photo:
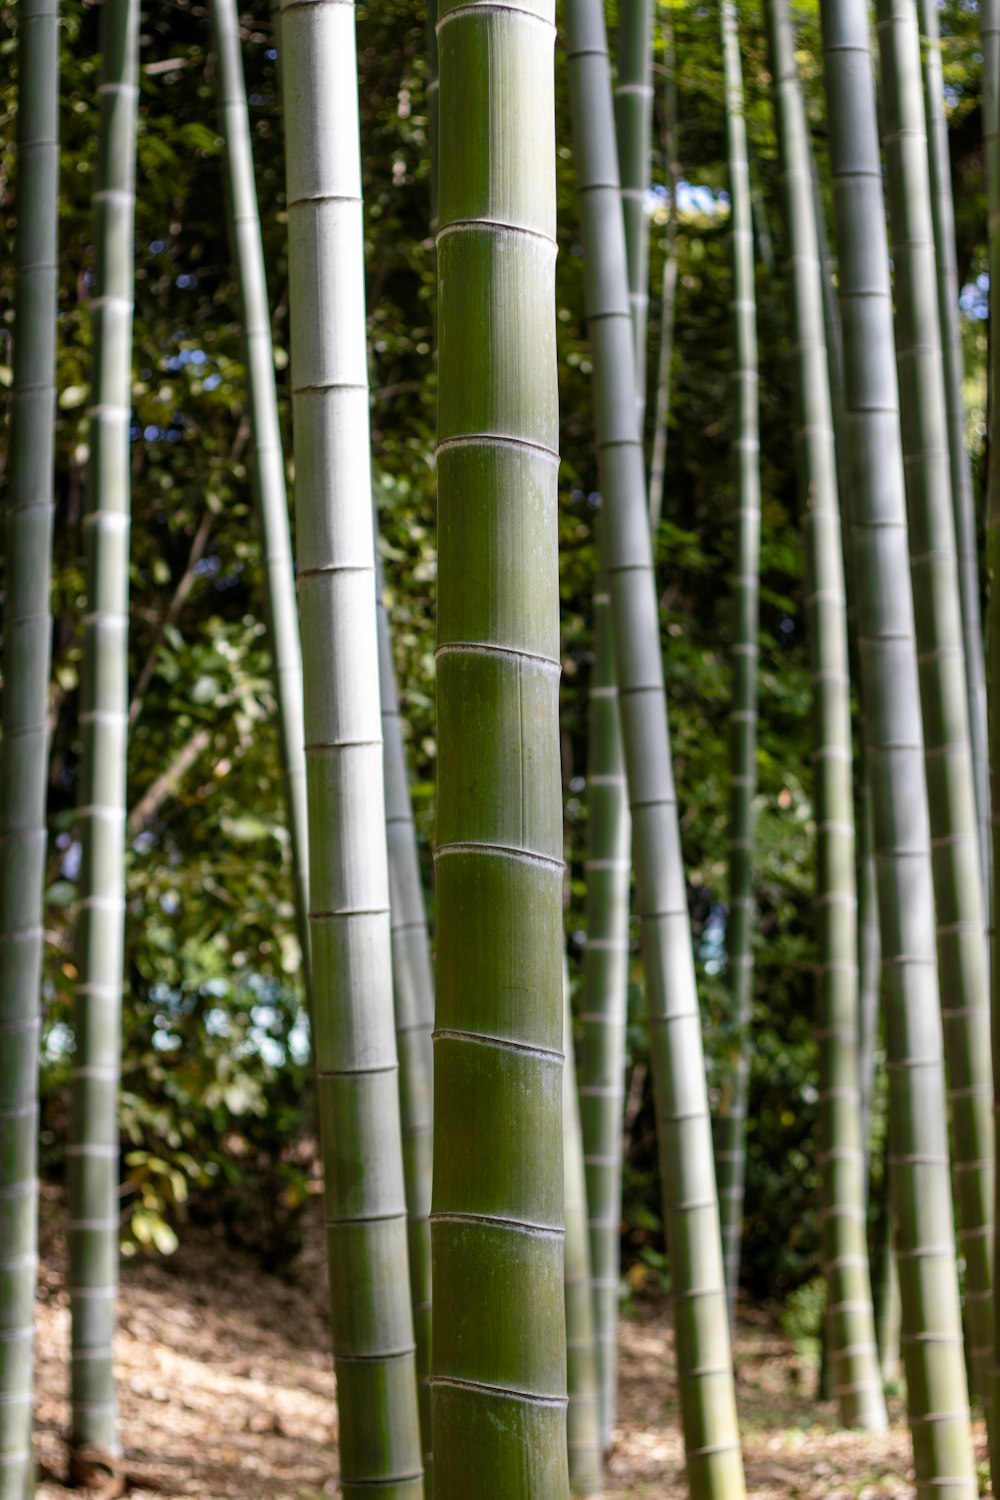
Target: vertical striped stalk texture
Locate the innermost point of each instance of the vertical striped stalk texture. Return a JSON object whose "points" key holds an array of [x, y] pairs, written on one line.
{"points": [[851, 1350], [850, 1332], [354, 1039], [583, 1434], [27, 634], [869, 965], [604, 1007], [268, 465], [962, 958], [918, 1135], [93, 1150], [943, 209], [498, 1383], [691, 1211], [634, 131], [413, 989], [730, 1123]]}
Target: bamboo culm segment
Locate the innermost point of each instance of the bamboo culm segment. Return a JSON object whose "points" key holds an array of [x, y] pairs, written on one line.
{"points": [[918, 1136], [730, 1122], [851, 1350], [963, 502], [94, 1147], [603, 1010], [583, 1430], [668, 290], [634, 133], [413, 992], [353, 1024], [498, 1383], [27, 635], [958, 891], [268, 460], [691, 1209]]}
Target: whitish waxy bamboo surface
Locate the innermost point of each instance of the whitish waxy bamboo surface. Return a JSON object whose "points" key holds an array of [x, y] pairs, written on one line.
{"points": [[354, 1035], [634, 132], [850, 1340], [961, 923], [498, 1383], [605, 999], [918, 1135], [268, 460], [27, 634], [943, 209], [413, 988], [583, 1434], [93, 1149], [730, 1122], [691, 1210]]}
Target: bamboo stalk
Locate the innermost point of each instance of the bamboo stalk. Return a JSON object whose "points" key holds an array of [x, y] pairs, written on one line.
{"points": [[27, 636], [354, 1034], [691, 1209], [583, 1418], [633, 131], [668, 291], [498, 1384], [918, 1146], [94, 1149]]}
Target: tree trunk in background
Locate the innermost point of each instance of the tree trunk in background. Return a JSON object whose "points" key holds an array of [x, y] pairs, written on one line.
{"points": [[94, 1149], [851, 1350], [498, 1384], [634, 133], [690, 1203], [27, 635], [583, 1432], [269, 465], [918, 1150], [668, 292], [730, 1121], [951, 791], [354, 1039]]}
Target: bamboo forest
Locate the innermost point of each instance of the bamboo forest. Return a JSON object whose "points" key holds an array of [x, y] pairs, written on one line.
{"points": [[499, 718]]}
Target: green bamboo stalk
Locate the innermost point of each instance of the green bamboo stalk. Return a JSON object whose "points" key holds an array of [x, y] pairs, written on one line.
{"points": [[943, 210], [413, 990], [730, 1122], [668, 291], [958, 890], [691, 1211], [634, 132], [850, 1327], [869, 965], [268, 460], [94, 1144], [605, 1000], [918, 1146], [583, 1433], [27, 633], [498, 1384], [354, 1040]]}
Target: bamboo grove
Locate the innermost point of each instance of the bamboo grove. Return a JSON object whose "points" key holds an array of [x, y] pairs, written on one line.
{"points": [[521, 992]]}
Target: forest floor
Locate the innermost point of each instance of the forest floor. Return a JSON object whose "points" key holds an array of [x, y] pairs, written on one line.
{"points": [[226, 1390]]}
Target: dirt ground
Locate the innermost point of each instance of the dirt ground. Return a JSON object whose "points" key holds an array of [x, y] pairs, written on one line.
{"points": [[226, 1390]]}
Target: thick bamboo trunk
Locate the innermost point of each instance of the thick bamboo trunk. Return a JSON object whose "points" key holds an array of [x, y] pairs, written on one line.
{"points": [[498, 1384], [690, 1203], [355, 1044], [730, 1122], [27, 633], [583, 1434], [850, 1330], [938, 615], [918, 1150], [634, 132], [93, 1152]]}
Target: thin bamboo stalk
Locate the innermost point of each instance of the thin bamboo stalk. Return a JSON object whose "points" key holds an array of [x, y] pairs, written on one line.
{"points": [[27, 634], [354, 1037], [634, 132], [949, 766], [268, 460], [918, 1149], [850, 1330], [730, 1121], [583, 1434], [94, 1149], [498, 1384], [668, 291], [691, 1211]]}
